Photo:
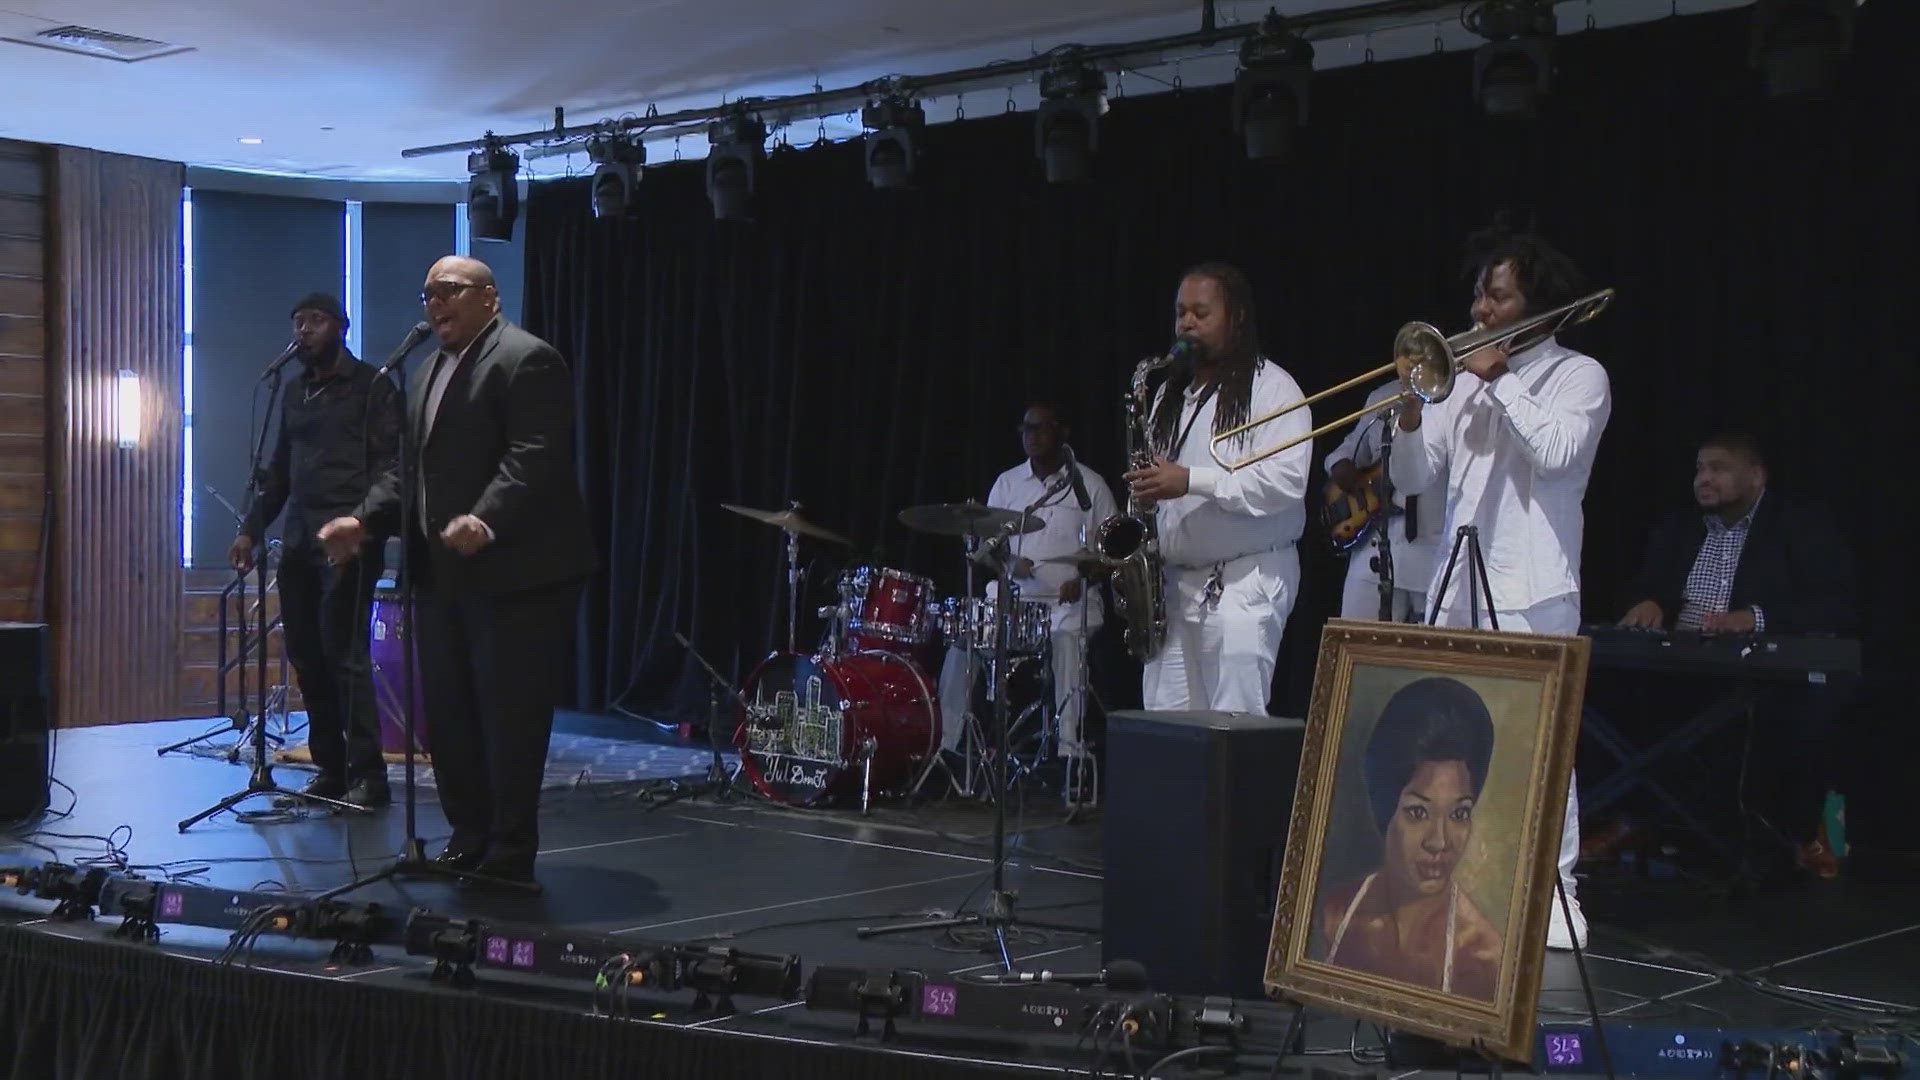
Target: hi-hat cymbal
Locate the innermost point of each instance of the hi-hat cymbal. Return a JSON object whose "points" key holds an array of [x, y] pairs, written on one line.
{"points": [[967, 519], [789, 520]]}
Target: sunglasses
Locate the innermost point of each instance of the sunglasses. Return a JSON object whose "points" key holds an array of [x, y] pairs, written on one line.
{"points": [[445, 290]]}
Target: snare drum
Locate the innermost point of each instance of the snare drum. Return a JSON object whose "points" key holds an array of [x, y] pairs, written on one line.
{"points": [[972, 623], [889, 608]]}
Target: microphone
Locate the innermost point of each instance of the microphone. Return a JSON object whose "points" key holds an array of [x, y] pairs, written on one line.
{"points": [[412, 341], [293, 347], [1079, 482], [1123, 975]]}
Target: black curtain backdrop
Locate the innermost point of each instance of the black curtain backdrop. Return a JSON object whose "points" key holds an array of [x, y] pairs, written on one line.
{"points": [[866, 351]]}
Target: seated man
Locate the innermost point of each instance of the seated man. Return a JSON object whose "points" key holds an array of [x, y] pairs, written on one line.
{"points": [[1751, 561]]}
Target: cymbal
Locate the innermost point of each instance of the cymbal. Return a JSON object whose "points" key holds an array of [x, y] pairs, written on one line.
{"points": [[967, 519], [789, 520]]}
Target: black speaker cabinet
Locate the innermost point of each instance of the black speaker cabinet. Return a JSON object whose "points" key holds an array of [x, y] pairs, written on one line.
{"points": [[23, 720], [1197, 805]]}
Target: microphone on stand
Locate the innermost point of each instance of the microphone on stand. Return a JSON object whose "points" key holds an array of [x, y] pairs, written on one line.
{"points": [[412, 341], [1079, 482], [293, 348], [1122, 975]]}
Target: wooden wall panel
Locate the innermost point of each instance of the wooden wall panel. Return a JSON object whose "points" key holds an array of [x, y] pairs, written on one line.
{"points": [[115, 304], [23, 381]]}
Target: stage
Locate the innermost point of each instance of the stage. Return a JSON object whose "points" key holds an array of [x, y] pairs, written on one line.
{"points": [[1666, 955]]}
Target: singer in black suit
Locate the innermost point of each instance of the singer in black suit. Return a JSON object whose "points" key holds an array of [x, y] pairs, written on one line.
{"points": [[1748, 559], [499, 549]]}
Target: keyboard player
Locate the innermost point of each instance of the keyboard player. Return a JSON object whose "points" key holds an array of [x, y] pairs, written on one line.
{"points": [[1749, 559]]}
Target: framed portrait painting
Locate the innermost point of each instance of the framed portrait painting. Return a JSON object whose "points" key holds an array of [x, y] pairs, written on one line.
{"points": [[1422, 853]]}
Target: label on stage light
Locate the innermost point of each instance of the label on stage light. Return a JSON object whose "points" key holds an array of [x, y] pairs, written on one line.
{"points": [[936, 1000], [1565, 1051]]}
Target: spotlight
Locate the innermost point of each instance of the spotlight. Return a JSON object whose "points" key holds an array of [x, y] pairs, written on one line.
{"points": [[1513, 70], [616, 174], [895, 125], [739, 143], [493, 191], [1797, 44], [1270, 90], [1067, 130]]}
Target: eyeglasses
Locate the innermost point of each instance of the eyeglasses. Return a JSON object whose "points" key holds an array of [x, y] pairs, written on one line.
{"points": [[1030, 429], [445, 290]]}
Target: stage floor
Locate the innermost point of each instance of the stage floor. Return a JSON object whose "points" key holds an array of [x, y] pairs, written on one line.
{"points": [[771, 879]]}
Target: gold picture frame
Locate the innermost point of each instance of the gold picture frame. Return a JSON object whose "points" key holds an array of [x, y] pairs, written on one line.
{"points": [[1440, 758]]}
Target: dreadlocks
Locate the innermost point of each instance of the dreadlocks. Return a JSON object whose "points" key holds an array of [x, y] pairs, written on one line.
{"points": [[1233, 368]]}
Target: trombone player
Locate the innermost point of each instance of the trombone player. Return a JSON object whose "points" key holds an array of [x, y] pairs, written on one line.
{"points": [[1227, 537], [1515, 443]]}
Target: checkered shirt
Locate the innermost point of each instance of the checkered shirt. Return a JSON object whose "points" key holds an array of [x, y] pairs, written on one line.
{"points": [[1710, 582]]}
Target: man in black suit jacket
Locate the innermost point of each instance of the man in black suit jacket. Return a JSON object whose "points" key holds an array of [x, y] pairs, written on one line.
{"points": [[499, 547], [1750, 560]]}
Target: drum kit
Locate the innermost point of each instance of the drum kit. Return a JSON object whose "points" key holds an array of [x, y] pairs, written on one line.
{"points": [[859, 715]]}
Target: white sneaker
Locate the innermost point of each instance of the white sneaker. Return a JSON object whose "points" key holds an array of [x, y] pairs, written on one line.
{"points": [[1559, 934]]}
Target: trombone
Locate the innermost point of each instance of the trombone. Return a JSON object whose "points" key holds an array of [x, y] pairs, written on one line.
{"points": [[1432, 361]]}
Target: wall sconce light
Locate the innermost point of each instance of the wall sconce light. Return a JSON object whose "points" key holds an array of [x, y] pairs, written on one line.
{"points": [[129, 409]]}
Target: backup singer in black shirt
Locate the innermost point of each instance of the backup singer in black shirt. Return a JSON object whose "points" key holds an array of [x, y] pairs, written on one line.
{"points": [[339, 430]]}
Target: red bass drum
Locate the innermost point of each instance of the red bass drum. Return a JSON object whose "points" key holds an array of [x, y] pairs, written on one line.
{"points": [[811, 723]]}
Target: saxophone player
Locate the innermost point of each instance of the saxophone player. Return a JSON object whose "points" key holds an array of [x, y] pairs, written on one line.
{"points": [[1227, 538]]}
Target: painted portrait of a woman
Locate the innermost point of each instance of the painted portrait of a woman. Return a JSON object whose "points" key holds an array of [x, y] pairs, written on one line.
{"points": [[1409, 919]]}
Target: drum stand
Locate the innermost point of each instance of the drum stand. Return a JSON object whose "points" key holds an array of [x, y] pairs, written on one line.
{"points": [[718, 782], [999, 915]]}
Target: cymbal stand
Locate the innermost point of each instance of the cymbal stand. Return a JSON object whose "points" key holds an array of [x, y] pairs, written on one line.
{"points": [[999, 915], [793, 581], [969, 736]]}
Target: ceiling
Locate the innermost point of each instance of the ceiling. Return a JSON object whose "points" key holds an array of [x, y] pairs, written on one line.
{"points": [[338, 89]]}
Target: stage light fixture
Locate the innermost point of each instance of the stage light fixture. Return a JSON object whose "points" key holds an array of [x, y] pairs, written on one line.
{"points": [[895, 125], [738, 143], [1514, 69], [618, 162], [1073, 97], [1798, 44], [493, 191], [1270, 89]]}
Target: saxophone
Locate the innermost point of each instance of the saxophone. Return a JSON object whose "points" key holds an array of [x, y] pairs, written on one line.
{"points": [[1129, 542]]}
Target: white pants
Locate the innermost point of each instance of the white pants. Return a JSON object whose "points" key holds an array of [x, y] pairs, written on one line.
{"points": [[1220, 654], [962, 671], [1561, 615], [1360, 597]]}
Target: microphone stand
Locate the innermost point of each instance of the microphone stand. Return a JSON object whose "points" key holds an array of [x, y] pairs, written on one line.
{"points": [[412, 862], [999, 915], [1383, 563], [260, 781]]}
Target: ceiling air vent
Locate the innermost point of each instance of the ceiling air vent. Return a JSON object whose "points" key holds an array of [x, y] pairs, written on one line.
{"points": [[104, 44]]}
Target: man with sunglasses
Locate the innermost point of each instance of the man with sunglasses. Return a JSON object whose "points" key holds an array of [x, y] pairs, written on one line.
{"points": [[499, 549]]}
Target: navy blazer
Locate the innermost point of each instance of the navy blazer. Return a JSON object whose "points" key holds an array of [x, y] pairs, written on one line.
{"points": [[1795, 566]]}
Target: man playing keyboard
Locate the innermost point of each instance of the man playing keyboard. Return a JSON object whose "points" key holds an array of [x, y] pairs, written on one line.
{"points": [[1751, 561]]}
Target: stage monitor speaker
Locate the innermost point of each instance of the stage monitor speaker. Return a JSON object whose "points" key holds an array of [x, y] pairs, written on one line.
{"points": [[24, 741], [1197, 805]]}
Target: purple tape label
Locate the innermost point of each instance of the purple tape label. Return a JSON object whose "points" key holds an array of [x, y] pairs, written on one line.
{"points": [[936, 1000], [497, 950], [1565, 1050], [172, 904]]}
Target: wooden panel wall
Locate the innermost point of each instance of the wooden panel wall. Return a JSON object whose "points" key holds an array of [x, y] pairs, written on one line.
{"points": [[115, 299], [23, 380]]}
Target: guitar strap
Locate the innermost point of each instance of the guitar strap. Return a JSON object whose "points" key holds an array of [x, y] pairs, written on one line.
{"points": [[1412, 515]]}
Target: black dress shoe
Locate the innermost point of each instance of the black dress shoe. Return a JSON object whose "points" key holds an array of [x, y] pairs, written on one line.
{"points": [[370, 791], [457, 860], [510, 871], [326, 786]]}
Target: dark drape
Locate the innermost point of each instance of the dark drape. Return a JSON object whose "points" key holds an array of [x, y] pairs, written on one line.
{"points": [[864, 351]]}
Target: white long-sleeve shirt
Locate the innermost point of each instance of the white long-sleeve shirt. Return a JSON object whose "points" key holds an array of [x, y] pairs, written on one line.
{"points": [[1225, 515], [1412, 559], [1517, 452], [1017, 489]]}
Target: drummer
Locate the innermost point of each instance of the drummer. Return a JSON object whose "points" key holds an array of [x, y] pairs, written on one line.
{"points": [[1044, 568]]}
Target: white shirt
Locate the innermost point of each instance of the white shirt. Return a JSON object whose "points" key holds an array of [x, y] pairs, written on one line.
{"points": [[1516, 452], [1413, 560], [1017, 489], [1262, 507]]}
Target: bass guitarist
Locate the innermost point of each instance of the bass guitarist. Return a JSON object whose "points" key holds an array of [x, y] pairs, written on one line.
{"points": [[1354, 519]]}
